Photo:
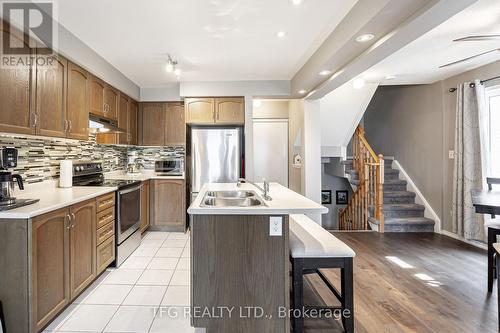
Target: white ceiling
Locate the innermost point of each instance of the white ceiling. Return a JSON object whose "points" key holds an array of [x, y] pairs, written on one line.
{"points": [[419, 61], [213, 40]]}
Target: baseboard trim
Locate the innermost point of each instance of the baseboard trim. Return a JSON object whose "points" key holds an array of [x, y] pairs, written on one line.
{"points": [[457, 237], [419, 199]]}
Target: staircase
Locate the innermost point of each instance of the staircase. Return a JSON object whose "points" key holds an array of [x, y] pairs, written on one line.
{"points": [[401, 213], [380, 203]]}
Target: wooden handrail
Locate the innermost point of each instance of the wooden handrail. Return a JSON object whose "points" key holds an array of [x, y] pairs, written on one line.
{"points": [[368, 199]]}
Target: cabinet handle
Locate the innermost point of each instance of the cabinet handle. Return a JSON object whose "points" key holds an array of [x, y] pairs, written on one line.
{"points": [[65, 126], [68, 221], [70, 126], [35, 123], [73, 218]]}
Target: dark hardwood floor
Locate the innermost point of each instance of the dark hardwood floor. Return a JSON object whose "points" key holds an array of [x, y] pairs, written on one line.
{"points": [[440, 288]]}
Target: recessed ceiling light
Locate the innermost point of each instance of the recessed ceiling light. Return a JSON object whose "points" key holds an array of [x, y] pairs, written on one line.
{"points": [[302, 92], [390, 77], [364, 38], [257, 103], [358, 83], [325, 73], [281, 34], [296, 2]]}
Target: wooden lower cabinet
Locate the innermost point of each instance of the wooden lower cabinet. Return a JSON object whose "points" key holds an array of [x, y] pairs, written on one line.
{"points": [[66, 256], [145, 206], [82, 246], [50, 266], [105, 254], [168, 205], [105, 229]]}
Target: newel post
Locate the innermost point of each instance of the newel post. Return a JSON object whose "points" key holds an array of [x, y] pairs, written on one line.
{"points": [[380, 197]]}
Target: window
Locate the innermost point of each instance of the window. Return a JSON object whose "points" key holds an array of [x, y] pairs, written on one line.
{"points": [[493, 103]]}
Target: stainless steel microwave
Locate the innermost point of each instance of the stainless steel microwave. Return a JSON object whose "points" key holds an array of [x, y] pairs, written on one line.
{"points": [[170, 166]]}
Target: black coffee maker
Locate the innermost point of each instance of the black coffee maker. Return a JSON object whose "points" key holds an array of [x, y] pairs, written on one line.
{"points": [[8, 159]]}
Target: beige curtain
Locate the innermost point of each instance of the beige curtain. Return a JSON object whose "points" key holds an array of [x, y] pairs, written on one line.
{"points": [[469, 164]]}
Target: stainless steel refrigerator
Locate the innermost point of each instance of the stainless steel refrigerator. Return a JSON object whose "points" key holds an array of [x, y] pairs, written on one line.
{"points": [[216, 156]]}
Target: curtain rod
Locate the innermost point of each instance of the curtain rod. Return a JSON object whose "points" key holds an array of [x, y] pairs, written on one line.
{"points": [[472, 84]]}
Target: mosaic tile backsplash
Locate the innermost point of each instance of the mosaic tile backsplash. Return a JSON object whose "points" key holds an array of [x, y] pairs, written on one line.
{"points": [[39, 158]]}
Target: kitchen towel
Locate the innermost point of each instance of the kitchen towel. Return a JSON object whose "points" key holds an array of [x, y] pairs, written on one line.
{"points": [[66, 174]]}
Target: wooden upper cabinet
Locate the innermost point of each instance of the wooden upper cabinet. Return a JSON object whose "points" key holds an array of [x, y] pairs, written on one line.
{"points": [[123, 119], [133, 122], [111, 102], [82, 246], [200, 110], [15, 112], [152, 126], [224, 111], [97, 96], [50, 105], [78, 102], [230, 111], [50, 266], [175, 125]]}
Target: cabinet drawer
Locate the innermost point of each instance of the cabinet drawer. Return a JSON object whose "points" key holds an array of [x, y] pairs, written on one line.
{"points": [[105, 232], [105, 201], [105, 254], [105, 217]]}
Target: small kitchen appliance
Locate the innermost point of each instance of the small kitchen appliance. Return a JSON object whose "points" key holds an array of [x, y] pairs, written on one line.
{"points": [[8, 159], [169, 166]]}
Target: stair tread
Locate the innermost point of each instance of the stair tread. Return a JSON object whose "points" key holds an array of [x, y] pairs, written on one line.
{"points": [[404, 220]]}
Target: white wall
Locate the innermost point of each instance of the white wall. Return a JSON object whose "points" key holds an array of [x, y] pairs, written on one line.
{"points": [[311, 170], [168, 93], [77, 51], [341, 111], [235, 88]]}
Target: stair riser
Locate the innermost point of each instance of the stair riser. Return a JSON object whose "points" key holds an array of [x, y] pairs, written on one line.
{"points": [[388, 176], [403, 213], [413, 228], [394, 187], [401, 200]]}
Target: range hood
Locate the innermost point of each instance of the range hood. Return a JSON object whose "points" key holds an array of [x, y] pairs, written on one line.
{"points": [[103, 125]]}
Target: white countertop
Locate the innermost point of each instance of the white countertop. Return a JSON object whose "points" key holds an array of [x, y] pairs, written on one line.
{"points": [[53, 198], [285, 202], [142, 176]]}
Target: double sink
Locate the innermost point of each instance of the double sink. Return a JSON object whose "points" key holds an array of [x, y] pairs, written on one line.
{"points": [[232, 199]]}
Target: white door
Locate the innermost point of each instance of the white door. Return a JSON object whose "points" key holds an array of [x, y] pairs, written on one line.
{"points": [[270, 149]]}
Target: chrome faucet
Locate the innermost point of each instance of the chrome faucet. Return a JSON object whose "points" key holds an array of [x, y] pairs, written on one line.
{"points": [[265, 190]]}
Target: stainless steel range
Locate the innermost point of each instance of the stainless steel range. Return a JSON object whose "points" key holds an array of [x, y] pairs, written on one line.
{"points": [[127, 209]]}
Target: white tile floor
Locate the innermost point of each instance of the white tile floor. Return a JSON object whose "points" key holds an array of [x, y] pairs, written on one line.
{"points": [[127, 299]]}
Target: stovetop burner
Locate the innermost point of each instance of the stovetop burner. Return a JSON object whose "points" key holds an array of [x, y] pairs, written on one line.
{"points": [[18, 203], [119, 182], [91, 174]]}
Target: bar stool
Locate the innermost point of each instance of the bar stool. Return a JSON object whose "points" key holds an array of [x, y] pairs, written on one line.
{"points": [[313, 248]]}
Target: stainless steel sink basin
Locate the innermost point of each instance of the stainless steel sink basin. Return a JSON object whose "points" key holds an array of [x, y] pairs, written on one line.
{"points": [[231, 202], [230, 194]]}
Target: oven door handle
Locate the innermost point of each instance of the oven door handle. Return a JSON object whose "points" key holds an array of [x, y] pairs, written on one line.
{"points": [[133, 189]]}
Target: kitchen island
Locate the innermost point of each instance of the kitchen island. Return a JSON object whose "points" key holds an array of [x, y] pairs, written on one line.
{"points": [[240, 257]]}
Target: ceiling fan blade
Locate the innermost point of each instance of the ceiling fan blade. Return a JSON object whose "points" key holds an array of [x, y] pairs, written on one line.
{"points": [[477, 38], [469, 58]]}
